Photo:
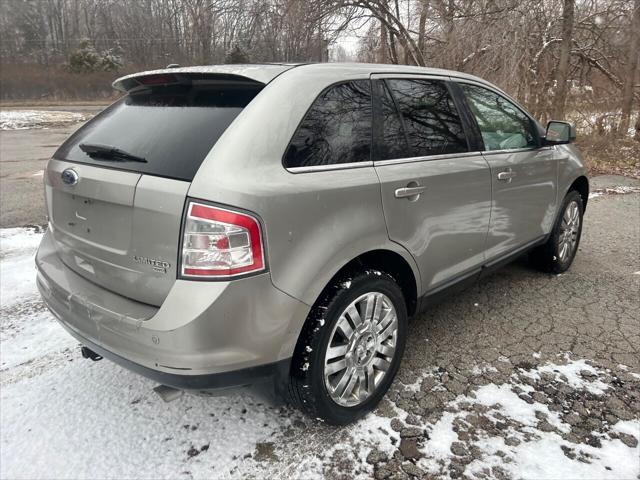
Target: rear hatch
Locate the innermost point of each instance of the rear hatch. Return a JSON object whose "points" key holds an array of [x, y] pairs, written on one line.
{"points": [[115, 215]]}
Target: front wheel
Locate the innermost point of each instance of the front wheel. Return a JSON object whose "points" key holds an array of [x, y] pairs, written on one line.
{"points": [[557, 255], [350, 348]]}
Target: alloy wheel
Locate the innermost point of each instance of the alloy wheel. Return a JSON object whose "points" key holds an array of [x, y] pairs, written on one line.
{"points": [[569, 230], [361, 349]]}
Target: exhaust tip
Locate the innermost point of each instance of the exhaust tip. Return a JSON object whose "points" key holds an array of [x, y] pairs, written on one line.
{"points": [[90, 354], [168, 394]]}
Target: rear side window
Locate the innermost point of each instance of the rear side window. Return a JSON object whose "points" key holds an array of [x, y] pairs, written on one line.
{"points": [[172, 128], [336, 129], [503, 125], [430, 118]]}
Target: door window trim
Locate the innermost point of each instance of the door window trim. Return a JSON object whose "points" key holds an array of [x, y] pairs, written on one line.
{"points": [[426, 158], [325, 168]]}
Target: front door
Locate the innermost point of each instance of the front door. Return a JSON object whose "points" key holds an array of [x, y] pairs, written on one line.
{"points": [[436, 194], [523, 174]]}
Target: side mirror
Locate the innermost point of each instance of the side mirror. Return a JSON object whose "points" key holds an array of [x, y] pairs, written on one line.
{"points": [[559, 133]]}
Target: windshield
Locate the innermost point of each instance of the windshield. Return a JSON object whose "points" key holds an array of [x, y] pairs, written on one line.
{"points": [[173, 129]]}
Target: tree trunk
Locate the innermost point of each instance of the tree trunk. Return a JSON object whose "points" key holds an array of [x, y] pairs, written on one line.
{"points": [[634, 53], [422, 24], [562, 73], [383, 56], [393, 52]]}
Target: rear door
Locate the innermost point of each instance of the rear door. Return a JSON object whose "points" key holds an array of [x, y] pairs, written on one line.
{"points": [[116, 219], [523, 174], [436, 189]]}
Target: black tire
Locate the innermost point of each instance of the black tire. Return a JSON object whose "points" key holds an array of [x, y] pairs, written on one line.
{"points": [[547, 257], [307, 390]]}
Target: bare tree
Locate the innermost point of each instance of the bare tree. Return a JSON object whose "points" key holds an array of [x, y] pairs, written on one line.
{"points": [[627, 91], [555, 56], [562, 72]]}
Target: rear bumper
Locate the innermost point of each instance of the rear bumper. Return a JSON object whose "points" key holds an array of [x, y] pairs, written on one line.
{"points": [[206, 335], [278, 372]]}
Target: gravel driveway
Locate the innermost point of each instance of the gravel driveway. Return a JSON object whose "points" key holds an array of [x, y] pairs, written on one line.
{"points": [[523, 376]]}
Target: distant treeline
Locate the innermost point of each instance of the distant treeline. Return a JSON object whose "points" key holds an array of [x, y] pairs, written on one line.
{"points": [[547, 53]]}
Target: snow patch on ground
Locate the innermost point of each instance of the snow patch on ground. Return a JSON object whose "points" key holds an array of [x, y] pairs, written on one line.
{"points": [[96, 420], [576, 374], [65, 417], [544, 458], [28, 329], [36, 335], [19, 241], [504, 400], [480, 370], [532, 451], [618, 190], [441, 437], [629, 427], [26, 119], [415, 386]]}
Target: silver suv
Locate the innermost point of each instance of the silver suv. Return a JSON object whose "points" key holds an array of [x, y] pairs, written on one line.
{"points": [[218, 226]]}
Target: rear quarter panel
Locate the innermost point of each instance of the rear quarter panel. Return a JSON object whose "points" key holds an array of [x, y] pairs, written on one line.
{"points": [[315, 222]]}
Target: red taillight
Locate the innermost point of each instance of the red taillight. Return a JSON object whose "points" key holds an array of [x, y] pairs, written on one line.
{"points": [[220, 243]]}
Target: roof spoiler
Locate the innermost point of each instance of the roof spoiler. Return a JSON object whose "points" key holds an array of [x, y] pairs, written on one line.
{"points": [[144, 82], [224, 74]]}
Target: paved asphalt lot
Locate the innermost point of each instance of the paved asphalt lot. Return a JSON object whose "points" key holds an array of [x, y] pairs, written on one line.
{"points": [[23, 155], [524, 375]]}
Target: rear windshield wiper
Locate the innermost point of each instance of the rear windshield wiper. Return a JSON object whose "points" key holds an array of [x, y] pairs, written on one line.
{"points": [[107, 152]]}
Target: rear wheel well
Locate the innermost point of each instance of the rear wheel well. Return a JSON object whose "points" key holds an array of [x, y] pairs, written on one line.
{"points": [[581, 185], [388, 262]]}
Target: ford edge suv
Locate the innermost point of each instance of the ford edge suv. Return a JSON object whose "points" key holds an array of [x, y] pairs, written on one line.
{"points": [[224, 225]]}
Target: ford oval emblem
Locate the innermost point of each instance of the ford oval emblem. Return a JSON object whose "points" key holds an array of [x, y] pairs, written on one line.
{"points": [[70, 176]]}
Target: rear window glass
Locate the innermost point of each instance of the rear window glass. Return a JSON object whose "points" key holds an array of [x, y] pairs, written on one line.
{"points": [[173, 129]]}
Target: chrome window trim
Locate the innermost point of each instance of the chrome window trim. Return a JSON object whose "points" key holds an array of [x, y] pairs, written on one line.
{"points": [[517, 150], [426, 158], [327, 168], [408, 76], [444, 156], [394, 161]]}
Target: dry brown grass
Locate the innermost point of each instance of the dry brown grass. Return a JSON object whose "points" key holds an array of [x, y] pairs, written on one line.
{"points": [[606, 154], [41, 85]]}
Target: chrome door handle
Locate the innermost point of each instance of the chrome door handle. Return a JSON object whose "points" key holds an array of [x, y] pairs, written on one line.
{"points": [[506, 176], [408, 192]]}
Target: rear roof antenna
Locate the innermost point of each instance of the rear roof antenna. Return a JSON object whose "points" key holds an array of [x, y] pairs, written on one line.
{"points": [[173, 65]]}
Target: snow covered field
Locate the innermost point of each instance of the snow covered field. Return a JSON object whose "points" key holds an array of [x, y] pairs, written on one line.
{"points": [[65, 417], [25, 119]]}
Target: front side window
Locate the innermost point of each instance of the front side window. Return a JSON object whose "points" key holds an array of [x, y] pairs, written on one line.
{"points": [[336, 129], [503, 125], [429, 116]]}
